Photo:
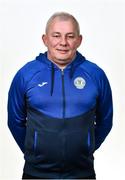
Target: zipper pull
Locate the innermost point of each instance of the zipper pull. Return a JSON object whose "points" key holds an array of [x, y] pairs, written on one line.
{"points": [[62, 70]]}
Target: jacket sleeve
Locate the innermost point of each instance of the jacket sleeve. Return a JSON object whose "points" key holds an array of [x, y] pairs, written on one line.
{"points": [[17, 110], [104, 111]]}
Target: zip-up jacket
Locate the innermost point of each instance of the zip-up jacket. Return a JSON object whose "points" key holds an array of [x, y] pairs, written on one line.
{"points": [[59, 118]]}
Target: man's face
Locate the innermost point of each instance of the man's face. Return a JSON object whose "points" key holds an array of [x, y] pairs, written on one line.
{"points": [[62, 41]]}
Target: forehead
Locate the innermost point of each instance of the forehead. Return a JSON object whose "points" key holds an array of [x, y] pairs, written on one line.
{"points": [[58, 25]]}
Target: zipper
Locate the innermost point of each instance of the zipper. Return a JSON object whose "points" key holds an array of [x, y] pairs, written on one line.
{"points": [[63, 95], [63, 116]]}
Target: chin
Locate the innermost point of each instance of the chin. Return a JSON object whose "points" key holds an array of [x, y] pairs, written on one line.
{"points": [[63, 57]]}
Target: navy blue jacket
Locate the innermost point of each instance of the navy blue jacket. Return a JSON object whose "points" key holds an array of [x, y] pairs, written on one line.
{"points": [[59, 118]]}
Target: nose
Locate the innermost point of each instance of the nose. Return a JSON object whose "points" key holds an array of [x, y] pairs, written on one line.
{"points": [[63, 41]]}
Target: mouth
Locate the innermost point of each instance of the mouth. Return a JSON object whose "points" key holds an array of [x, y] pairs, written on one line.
{"points": [[62, 51]]}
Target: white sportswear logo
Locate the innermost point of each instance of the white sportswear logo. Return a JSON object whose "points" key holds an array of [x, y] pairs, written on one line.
{"points": [[42, 84]]}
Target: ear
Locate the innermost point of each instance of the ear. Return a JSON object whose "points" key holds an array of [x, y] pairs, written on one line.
{"points": [[79, 40], [44, 38]]}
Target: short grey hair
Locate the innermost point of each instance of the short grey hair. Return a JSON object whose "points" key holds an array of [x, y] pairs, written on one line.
{"points": [[63, 16]]}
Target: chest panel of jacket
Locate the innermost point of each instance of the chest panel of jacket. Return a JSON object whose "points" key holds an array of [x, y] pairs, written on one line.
{"points": [[78, 92]]}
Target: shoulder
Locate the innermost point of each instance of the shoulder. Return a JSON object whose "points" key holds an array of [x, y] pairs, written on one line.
{"points": [[93, 69], [30, 67], [96, 73], [26, 72]]}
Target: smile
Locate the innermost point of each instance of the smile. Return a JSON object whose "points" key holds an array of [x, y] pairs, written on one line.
{"points": [[63, 50]]}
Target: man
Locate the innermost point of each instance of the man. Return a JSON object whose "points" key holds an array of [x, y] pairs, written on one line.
{"points": [[60, 106]]}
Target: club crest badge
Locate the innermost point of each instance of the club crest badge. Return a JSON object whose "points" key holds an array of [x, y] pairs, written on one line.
{"points": [[79, 83]]}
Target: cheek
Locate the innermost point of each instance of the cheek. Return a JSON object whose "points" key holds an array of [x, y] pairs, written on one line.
{"points": [[73, 45], [53, 43]]}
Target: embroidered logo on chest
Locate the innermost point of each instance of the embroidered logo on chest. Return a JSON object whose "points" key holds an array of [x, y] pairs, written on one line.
{"points": [[79, 82]]}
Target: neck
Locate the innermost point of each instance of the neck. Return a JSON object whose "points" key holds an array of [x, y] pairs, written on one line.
{"points": [[61, 66]]}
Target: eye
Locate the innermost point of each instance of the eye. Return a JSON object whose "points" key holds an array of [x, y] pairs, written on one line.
{"points": [[56, 36], [70, 36]]}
